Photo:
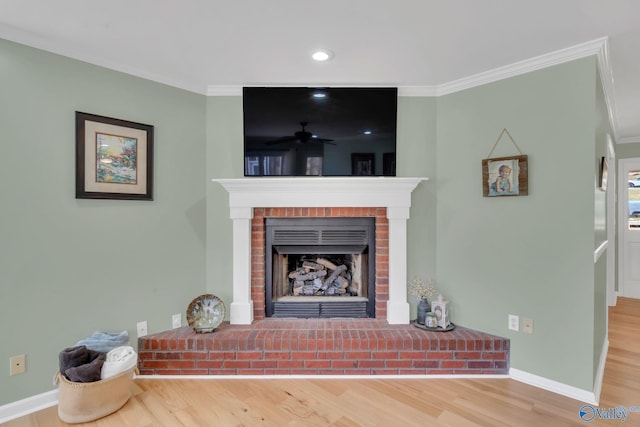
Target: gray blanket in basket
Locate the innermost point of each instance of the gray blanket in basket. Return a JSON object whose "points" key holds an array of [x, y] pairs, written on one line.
{"points": [[80, 364]]}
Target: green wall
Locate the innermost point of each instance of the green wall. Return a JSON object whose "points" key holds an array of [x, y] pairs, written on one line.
{"points": [[417, 133], [530, 256], [225, 159], [71, 267]]}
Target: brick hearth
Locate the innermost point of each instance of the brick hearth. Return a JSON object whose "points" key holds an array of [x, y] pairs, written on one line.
{"points": [[322, 347]]}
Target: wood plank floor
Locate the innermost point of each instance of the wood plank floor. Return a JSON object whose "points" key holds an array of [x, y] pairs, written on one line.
{"points": [[377, 402]]}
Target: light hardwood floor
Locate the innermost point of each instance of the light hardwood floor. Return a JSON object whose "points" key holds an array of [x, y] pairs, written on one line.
{"points": [[377, 402]]}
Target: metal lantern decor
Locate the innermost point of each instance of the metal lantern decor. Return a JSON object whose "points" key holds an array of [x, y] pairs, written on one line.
{"points": [[440, 307]]}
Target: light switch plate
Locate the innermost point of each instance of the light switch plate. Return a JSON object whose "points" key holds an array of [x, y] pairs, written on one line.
{"points": [[176, 321], [514, 322], [142, 329]]}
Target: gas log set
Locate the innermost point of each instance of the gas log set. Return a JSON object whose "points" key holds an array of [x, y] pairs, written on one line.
{"points": [[321, 277]]}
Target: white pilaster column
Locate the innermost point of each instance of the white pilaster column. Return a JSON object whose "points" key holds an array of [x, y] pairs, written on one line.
{"points": [[398, 309], [241, 311]]}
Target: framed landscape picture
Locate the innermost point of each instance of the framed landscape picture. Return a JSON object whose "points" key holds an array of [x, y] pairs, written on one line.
{"points": [[114, 158]]}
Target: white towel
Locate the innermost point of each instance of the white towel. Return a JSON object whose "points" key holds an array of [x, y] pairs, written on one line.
{"points": [[119, 359]]}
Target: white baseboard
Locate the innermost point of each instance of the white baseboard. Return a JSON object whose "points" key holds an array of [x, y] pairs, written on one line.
{"points": [[612, 299], [591, 397], [597, 388], [28, 405], [553, 386]]}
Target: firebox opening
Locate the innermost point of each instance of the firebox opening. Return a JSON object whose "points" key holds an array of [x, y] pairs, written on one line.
{"points": [[315, 275], [320, 267]]}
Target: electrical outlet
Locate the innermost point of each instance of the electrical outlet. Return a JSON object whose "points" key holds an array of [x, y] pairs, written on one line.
{"points": [[527, 326], [514, 322], [176, 321], [17, 364], [142, 329]]}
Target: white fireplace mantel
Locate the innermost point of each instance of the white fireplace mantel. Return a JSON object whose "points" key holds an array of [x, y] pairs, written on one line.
{"points": [[393, 193]]}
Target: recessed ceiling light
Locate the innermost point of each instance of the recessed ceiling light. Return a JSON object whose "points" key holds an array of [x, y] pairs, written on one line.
{"points": [[367, 132], [322, 55]]}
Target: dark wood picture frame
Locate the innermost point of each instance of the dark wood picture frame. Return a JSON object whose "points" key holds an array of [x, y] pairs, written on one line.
{"points": [[505, 176], [602, 176], [363, 164], [114, 158]]}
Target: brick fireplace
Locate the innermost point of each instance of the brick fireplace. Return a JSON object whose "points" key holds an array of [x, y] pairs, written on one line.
{"points": [[388, 199], [388, 344]]}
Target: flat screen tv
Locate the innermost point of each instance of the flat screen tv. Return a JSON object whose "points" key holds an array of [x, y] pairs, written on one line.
{"points": [[304, 131]]}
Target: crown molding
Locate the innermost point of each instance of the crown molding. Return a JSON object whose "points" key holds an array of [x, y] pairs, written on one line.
{"points": [[606, 79], [595, 47], [598, 47], [561, 56], [628, 140], [417, 90]]}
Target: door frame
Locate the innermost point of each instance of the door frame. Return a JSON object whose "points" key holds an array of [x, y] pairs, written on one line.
{"points": [[611, 201], [624, 165]]}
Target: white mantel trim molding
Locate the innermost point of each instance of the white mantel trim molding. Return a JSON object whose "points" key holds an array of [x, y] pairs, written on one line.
{"points": [[393, 193]]}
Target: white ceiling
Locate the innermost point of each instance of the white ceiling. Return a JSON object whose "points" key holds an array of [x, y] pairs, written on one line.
{"points": [[197, 44]]}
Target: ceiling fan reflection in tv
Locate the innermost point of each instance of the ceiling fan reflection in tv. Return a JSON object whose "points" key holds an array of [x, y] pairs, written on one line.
{"points": [[302, 136]]}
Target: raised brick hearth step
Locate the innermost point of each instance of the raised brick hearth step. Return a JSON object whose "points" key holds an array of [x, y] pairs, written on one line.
{"points": [[322, 347]]}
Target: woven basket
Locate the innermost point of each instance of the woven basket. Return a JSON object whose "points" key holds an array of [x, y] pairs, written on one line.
{"points": [[84, 402]]}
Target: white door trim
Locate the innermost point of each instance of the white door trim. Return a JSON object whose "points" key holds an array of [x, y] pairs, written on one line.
{"points": [[624, 166], [611, 222]]}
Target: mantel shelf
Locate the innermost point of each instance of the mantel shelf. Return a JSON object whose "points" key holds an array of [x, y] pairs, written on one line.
{"points": [[327, 191]]}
